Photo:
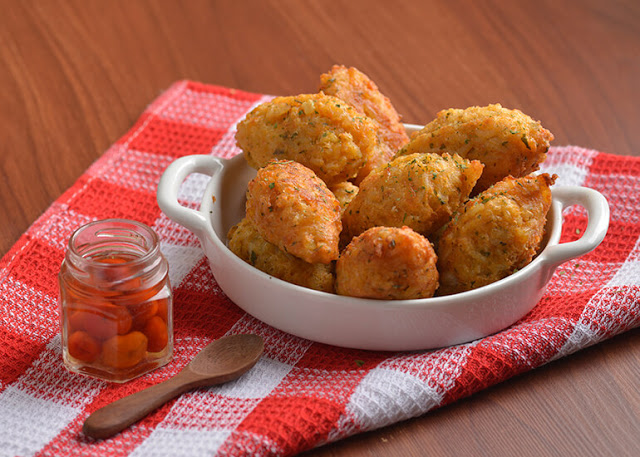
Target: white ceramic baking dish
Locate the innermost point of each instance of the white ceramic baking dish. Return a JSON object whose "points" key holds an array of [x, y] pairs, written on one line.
{"points": [[393, 325]]}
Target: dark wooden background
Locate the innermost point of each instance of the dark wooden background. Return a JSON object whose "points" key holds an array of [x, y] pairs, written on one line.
{"points": [[76, 74]]}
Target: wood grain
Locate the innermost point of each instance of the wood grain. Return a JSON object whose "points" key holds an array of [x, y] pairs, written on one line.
{"points": [[76, 74]]}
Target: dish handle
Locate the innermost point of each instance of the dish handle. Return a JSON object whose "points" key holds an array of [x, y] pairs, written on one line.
{"points": [[598, 224], [170, 183]]}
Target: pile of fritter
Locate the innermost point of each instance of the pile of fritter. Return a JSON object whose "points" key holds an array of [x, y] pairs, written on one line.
{"points": [[345, 202]]}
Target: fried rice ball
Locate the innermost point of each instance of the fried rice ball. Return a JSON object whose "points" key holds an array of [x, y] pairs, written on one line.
{"points": [[320, 131], [246, 243], [494, 234], [359, 91], [344, 192], [387, 263], [506, 141], [295, 210], [421, 191]]}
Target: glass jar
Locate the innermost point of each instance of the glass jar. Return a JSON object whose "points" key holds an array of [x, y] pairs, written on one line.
{"points": [[115, 301]]}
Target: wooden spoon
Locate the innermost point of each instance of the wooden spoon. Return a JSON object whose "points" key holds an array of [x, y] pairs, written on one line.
{"points": [[222, 360]]}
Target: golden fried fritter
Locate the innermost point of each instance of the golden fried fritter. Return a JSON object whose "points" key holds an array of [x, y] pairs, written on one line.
{"points": [[320, 131], [507, 142], [359, 91], [355, 88], [421, 191], [344, 192], [387, 263], [246, 243], [494, 234], [294, 209]]}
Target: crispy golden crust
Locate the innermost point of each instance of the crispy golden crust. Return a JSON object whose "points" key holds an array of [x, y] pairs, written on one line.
{"points": [[494, 234], [292, 208], [387, 263], [355, 88], [373, 162], [420, 191], [344, 192], [507, 142], [359, 91], [320, 131], [246, 243]]}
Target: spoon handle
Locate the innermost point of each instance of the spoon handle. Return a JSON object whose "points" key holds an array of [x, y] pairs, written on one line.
{"points": [[116, 416]]}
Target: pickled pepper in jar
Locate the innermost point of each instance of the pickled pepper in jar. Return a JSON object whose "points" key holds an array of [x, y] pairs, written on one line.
{"points": [[115, 301]]}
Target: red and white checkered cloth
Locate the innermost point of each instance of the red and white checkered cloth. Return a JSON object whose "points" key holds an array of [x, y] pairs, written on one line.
{"points": [[301, 394]]}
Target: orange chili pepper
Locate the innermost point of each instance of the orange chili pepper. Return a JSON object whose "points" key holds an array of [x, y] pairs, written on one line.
{"points": [[142, 312], [163, 309], [101, 321], [124, 351], [83, 347], [156, 331], [74, 321]]}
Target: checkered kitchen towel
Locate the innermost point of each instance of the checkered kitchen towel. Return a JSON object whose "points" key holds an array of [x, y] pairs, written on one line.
{"points": [[301, 394]]}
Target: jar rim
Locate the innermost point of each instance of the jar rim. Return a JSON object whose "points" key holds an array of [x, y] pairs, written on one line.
{"points": [[110, 232]]}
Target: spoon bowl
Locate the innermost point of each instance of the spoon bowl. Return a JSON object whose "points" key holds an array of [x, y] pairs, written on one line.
{"points": [[221, 361], [226, 359]]}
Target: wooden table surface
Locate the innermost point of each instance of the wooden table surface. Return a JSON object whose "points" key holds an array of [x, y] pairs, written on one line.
{"points": [[75, 75]]}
